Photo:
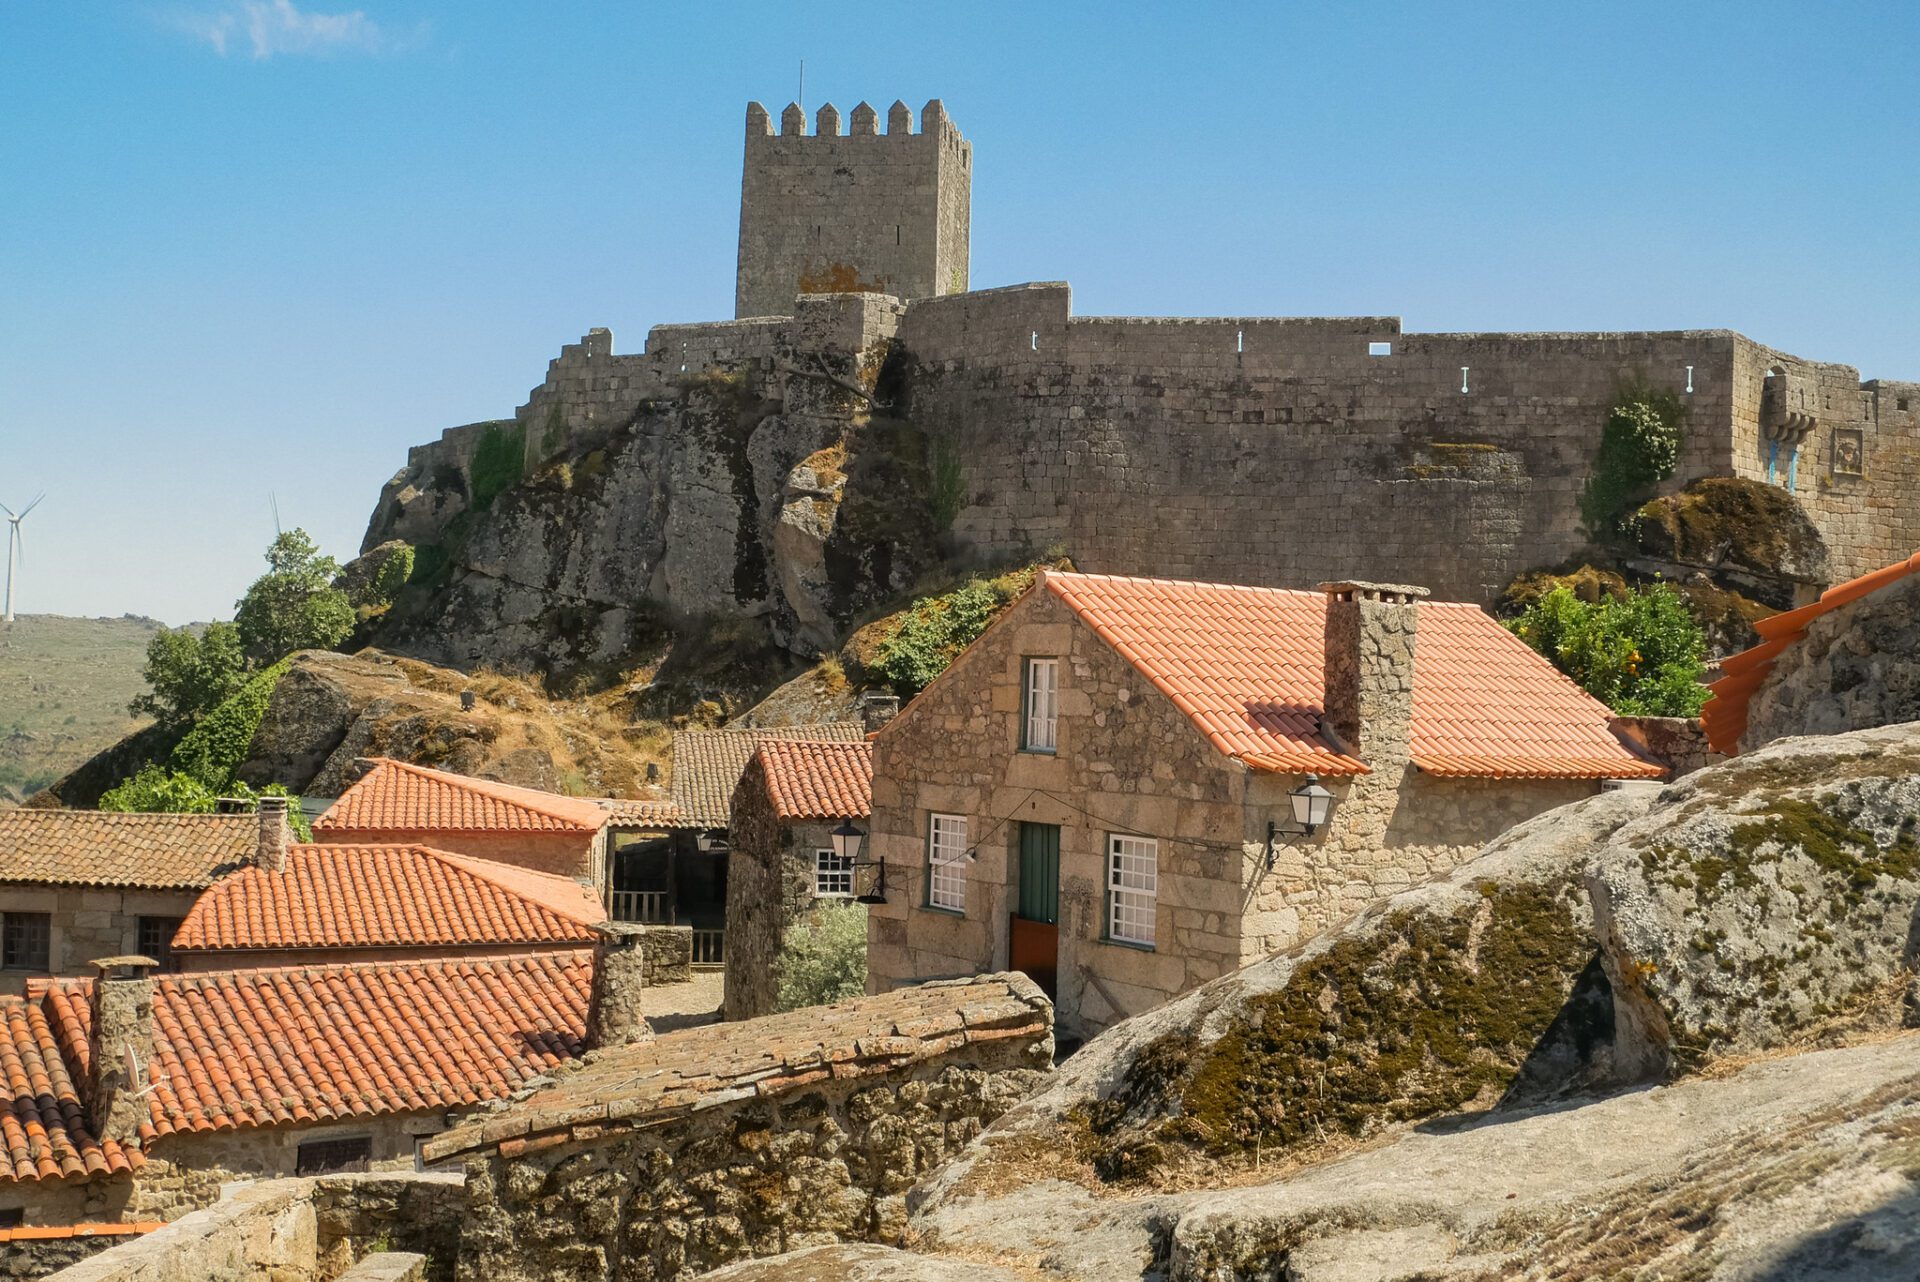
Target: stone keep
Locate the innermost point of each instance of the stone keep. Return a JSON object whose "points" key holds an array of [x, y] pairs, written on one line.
{"points": [[862, 211]]}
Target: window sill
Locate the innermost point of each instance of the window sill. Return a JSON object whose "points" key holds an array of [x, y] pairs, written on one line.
{"points": [[944, 912], [1040, 752], [1128, 943]]}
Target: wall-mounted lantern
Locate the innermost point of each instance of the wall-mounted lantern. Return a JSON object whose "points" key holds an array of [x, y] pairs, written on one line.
{"points": [[846, 844], [1311, 805], [712, 841]]}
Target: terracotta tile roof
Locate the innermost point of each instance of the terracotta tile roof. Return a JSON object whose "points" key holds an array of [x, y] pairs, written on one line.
{"points": [[707, 764], [1725, 715], [396, 797], [344, 896], [44, 1130], [807, 779], [636, 1085], [110, 848], [656, 812], [331, 1043], [1246, 666]]}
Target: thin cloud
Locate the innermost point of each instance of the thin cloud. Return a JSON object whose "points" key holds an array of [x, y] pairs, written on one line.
{"points": [[262, 29]]}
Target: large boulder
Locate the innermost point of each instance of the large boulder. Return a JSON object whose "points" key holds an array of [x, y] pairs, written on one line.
{"points": [[859, 1262], [1462, 991], [1857, 666], [1764, 899]]}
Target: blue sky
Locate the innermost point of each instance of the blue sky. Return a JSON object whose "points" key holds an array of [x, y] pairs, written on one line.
{"points": [[254, 247]]}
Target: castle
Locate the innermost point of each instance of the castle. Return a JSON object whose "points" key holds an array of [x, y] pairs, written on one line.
{"points": [[1258, 450]]}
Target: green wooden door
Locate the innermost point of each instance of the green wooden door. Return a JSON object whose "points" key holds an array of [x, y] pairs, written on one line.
{"points": [[1040, 872]]}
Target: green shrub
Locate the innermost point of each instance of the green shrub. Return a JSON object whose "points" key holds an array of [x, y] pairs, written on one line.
{"points": [[823, 957], [1639, 448], [1639, 654], [214, 749], [931, 634], [157, 791], [189, 674], [499, 461], [392, 574]]}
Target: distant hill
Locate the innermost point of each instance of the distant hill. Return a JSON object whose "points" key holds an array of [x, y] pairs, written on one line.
{"points": [[64, 688]]}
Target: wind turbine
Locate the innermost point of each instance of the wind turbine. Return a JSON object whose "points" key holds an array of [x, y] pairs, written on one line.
{"points": [[13, 549]]}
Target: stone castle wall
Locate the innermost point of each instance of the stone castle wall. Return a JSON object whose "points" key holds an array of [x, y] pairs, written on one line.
{"points": [[832, 211]]}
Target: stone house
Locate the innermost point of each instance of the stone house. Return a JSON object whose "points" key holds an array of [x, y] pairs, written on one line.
{"points": [[1843, 662], [81, 884], [318, 903], [669, 862], [397, 803], [791, 796], [1099, 790], [137, 1095]]}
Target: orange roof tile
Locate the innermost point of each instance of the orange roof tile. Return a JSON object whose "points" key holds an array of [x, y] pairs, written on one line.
{"points": [[44, 1130], [396, 796], [344, 896], [1247, 667], [643, 812], [707, 764], [1725, 715], [810, 779], [111, 848], [330, 1043]]}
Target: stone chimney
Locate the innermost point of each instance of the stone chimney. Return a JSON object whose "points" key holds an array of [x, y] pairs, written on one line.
{"points": [[276, 838], [1369, 669], [614, 1017], [878, 709], [120, 1045]]}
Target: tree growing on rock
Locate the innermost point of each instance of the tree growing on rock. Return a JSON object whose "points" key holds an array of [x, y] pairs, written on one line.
{"points": [[294, 605], [190, 674], [1640, 653]]}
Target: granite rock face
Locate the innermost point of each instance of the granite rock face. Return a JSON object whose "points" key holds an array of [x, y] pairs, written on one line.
{"points": [[1763, 899], [1856, 667], [1476, 986]]}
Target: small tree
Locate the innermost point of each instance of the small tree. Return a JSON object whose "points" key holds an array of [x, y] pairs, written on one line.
{"points": [[1640, 654], [1639, 448], [823, 957], [294, 605], [189, 675]]}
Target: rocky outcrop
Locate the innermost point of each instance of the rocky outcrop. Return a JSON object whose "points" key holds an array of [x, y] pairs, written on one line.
{"points": [[860, 1263], [1789, 1170], [331, 709], [1765, 898], [1857, 666], [1478, 986], [1751, 538]]}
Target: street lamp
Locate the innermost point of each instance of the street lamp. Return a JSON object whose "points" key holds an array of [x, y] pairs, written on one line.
{"points": [[846, 845], [1311, 805]]}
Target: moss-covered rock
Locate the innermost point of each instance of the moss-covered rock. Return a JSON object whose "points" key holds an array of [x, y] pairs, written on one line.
{"points": [[1736, 530], [1477, 987], [1767, 900]]}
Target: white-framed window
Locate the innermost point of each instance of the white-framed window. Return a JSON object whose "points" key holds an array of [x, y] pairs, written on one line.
{"points": [[1043, 705], [1133, 887], [947, 862], [832, 875]]}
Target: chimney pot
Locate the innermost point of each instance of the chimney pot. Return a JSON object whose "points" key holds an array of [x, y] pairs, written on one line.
{"points": [[878, 709], [276, 839], [1370, 633], [120, 1037], [614, 1016]]}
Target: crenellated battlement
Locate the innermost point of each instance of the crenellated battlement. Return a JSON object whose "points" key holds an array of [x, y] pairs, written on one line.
{"points": [[863, 122], [847, 208]]}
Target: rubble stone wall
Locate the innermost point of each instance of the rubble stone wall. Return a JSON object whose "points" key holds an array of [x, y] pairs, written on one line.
{"points": [[669, 1159], [310, 1230], [769, 887]]}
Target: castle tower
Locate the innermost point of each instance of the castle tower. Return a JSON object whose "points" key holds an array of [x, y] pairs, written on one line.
{"points": [[829, 212]]}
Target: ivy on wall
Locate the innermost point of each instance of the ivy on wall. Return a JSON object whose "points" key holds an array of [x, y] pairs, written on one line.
{"points": [[1639, 448]]}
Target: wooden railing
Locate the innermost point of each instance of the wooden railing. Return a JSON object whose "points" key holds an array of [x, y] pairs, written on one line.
{"points": [[709, 947], [648, 907]]}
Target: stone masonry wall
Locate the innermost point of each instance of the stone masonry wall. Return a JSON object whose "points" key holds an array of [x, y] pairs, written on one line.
{"points": [[87, 922], [309, 1230], [668, 1159], [864, 210], [770, 875], [1128, 762]]}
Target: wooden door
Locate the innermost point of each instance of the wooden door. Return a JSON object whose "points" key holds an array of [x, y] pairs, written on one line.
{"points": [[1035, 932]]}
